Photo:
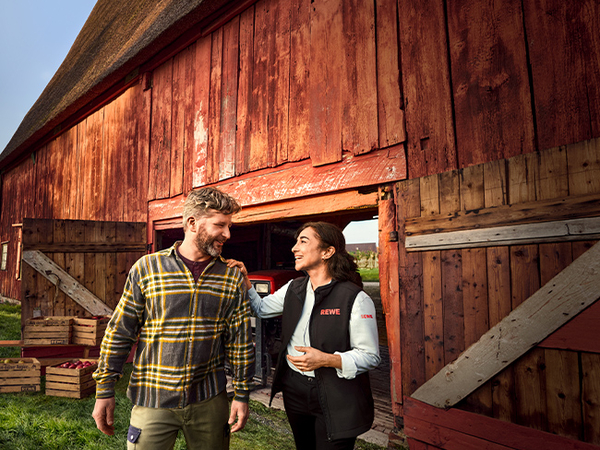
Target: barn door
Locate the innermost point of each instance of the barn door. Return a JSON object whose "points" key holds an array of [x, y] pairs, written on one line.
{"points": [[76, 267]]}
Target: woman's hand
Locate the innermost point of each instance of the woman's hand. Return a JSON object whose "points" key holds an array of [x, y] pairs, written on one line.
{"points": [[240, 265], [314, 359]]}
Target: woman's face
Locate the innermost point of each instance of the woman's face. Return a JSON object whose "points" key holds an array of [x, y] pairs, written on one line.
{"points": [[307, 252]]}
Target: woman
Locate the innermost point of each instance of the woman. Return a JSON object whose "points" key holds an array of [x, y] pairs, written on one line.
{"points": [[329, 341]]}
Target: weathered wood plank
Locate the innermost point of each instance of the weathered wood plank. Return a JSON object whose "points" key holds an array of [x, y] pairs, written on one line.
{"points": [[326, 59], [229, 91], [259, 137], [590, 388], [425, 76], [584, 167], [215, 111], [580, 333], [298, 134], [359, 77], [563, 393], [161, 131], [390, 289], [491, 86], [300, 207], [410, 272], [300, 179], [550, 307], [201, 106], [67, 284], [244, 103], [390, 117], [557, 59], [182, 113], [88, 247], [497, 431], [558, 208], [565, 230], [279, 82]]}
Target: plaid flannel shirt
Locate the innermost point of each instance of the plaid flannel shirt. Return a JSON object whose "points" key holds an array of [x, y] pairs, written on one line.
{"points": [[185, 330]]}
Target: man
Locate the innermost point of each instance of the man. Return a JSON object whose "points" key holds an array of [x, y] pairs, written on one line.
{"points": [[188, 310]]}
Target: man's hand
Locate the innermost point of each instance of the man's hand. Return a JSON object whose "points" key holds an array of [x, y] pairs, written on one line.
{"points": [[241, 411], [314, 359], [103, 414]]}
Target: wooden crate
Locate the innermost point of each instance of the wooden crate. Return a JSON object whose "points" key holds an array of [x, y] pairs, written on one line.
{"points": [[52, 330], [74, 383], [89, 330], [20, 375]]}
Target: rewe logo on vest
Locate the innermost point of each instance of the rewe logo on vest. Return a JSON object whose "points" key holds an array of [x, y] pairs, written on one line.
{"points": [[330, 312]]}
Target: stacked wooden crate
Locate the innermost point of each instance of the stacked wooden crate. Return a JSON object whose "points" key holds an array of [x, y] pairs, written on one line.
{"points": [[89, 330], [72, 378], [20, 375], [54, 330]]}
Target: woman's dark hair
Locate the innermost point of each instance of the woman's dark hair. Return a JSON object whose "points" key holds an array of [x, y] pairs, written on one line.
{"points": [[341, 266]]}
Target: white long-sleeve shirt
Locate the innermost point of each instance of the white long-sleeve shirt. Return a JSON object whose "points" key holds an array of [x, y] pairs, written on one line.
{"points": [[364, 338]]}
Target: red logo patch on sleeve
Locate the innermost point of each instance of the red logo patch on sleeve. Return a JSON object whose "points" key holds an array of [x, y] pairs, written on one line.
{"points": [[366, 316]]}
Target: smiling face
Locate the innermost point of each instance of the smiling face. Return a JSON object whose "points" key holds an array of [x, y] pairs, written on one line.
{"points": [[308, 252], [211, 232]]}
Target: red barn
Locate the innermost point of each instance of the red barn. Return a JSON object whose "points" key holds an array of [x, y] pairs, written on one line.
{"points": [[470, 128]]}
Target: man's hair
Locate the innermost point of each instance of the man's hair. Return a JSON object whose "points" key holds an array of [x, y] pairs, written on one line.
{"points": [[204, 201]]}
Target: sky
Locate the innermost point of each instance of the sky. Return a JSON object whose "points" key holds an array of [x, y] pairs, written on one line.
{"points": [[35, 37]]}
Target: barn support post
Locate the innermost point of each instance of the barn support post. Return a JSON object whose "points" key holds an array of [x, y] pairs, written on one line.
{"points": [[389, 287]]}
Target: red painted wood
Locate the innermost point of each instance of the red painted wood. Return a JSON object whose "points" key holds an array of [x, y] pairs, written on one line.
{"points": [[580, 333], [453, 421], [426, 86], [410, 271], [244, 104], [298, 179], [326, 59], [567, 110], [298, 134], [490, 81], [201, 111], [215, 107], [161, 132], [278, 84], [390, 103], [359, 77], [229, 90]]}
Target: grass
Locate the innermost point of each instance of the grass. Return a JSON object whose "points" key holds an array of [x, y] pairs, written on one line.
{"points": [[369, 274], [35, 420]]}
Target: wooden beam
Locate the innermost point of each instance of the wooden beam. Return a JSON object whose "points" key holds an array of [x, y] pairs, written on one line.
{"points": [[557, 302], [506, 215], [295, 180], [66, 283], [88, 247], [455, 429], [561, 231]]}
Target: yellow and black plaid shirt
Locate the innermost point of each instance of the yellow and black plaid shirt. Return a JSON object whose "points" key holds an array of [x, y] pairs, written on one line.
{"points": [[185, 330]]}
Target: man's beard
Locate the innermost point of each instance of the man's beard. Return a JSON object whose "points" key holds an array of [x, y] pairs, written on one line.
{"points": [[205, 244]]}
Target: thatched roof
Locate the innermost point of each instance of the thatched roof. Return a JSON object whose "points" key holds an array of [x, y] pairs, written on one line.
{"points": [[117, 37]]}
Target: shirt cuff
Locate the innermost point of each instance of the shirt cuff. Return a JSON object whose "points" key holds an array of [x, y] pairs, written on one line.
{"points": [[105, 390], [348, 369], [242, 396]]}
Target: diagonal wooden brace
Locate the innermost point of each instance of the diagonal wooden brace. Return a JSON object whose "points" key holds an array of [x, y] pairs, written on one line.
{"points": [[66, 283]]}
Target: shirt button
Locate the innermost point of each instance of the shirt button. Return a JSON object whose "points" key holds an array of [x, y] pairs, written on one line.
{"points": [[191, 339]]}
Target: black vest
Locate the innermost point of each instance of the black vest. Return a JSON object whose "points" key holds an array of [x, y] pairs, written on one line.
{"points": [[347, 404]]}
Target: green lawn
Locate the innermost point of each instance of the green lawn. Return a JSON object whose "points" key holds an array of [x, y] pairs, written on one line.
{"points": [[37, 421], [369, 274]]}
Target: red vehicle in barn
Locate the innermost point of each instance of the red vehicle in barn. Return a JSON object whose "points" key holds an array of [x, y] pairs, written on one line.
{"points": [[267, 332]]}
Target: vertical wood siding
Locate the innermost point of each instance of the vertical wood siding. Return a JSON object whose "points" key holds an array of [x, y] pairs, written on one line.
{"points": [[450, 298]]}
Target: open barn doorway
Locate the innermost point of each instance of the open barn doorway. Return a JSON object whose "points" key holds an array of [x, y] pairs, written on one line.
{"points": [[267, 246]]}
